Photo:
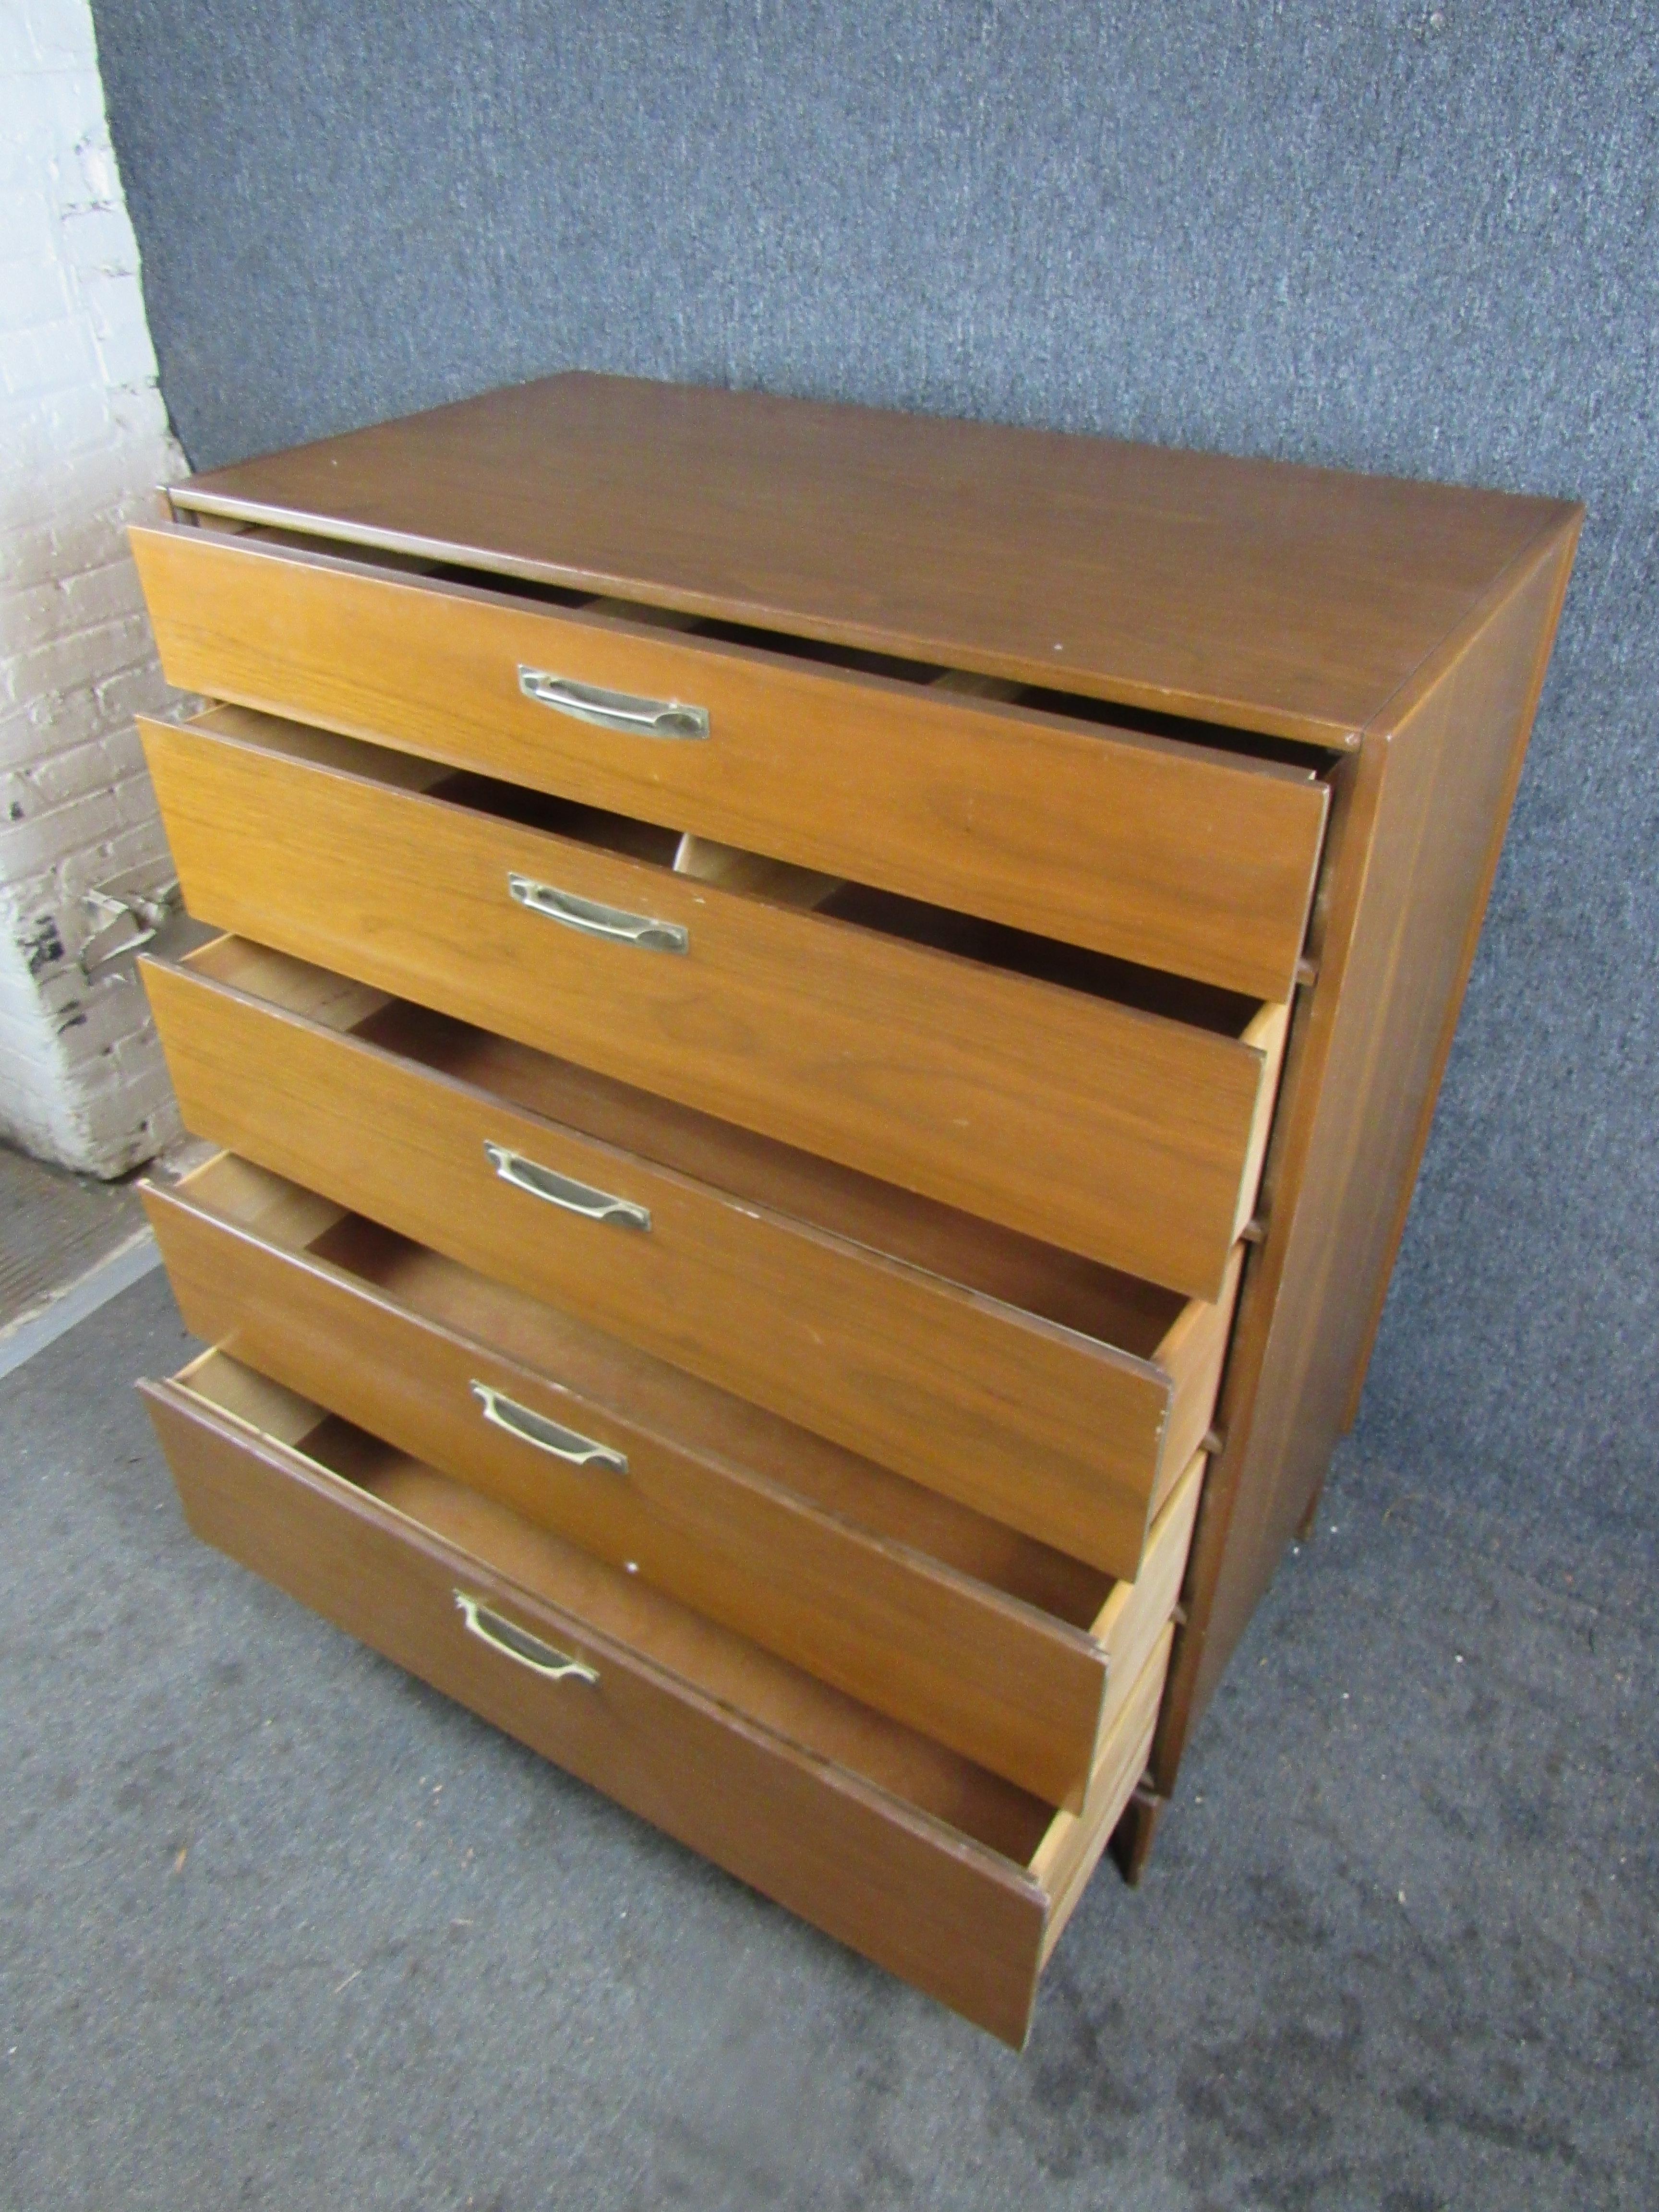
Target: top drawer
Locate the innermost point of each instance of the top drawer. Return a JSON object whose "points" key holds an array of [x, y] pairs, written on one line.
{"points": [[1175, 856]]}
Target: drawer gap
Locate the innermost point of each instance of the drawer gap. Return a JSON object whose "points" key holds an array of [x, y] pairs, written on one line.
{"points": [[912, 1334], [714, 1660], [1307, 759], [1140, 1319], [889, 914], [987, 1641], [605, 1371]]}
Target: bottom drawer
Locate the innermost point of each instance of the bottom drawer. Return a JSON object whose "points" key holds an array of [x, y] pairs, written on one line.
{"points": [[937, 1869]]}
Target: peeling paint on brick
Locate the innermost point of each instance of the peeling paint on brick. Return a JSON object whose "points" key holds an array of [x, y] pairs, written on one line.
{"points": [[42, 947]]}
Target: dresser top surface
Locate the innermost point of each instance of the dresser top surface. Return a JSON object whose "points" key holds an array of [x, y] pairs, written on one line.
{"points": [[1280, 599]]}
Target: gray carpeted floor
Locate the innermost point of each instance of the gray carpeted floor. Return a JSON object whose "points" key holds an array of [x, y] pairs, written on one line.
{"points": [[283, 1928]]}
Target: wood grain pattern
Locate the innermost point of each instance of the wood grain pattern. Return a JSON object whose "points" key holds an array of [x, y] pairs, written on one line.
{"points": [[1033, 1424], [957, 1915], [1197, 861], [1287, 599], [1417, 822], [1460, 856], [1113, 1132], [1129, 1625], [1404, 630], [990, 1676], [604, 1370], [1072, 1848]]}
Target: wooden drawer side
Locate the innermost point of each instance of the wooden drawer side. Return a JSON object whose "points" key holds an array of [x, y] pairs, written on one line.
{"points": [[1155, 851]]}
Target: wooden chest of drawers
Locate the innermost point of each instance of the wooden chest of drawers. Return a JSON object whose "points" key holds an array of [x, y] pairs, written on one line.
{"points": [[824, 1029]]}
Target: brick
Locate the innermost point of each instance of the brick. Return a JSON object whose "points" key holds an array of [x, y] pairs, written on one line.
{"points": [[111, 300], [104, 479], [33, 223], [134, 850], [135, 801], [25, 1122], [28, 1038], [47, 357], [138, 1058], [21, 1019], [140, 690], [112, 762], [73, 538], [30, 849], [78, 602], [65, 664], [19, 55], [29, 1057], [97, 238], [127, 358], [100, 1012], [62, 989], [140, 414], [42, 436], [34, 730], [61, 33], [30, 1082], [34, 289], [68, 102], [94, 162]]}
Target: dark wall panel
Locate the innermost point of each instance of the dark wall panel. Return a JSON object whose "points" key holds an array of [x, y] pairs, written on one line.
{"points": [[1422, 238]]}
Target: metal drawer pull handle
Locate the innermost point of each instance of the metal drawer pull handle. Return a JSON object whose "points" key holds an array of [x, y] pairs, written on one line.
{"points": [[515, 1643], [613, 710], [533, 1428], [563, 1190], [594, 920]]}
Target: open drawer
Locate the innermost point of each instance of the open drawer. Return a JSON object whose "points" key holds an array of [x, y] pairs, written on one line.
{"points": [[1043, 811], [1113, 1111], [1007, 1652], [947, 1876], [1038, 1388]]}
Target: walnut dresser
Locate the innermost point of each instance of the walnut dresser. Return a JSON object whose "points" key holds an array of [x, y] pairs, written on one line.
{"points": [[824, 1033]]}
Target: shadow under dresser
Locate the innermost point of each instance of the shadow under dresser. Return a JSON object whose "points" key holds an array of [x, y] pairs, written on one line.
{"points": [[824, 1030]]}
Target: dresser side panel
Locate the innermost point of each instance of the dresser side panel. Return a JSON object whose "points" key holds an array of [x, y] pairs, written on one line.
{"points": [[1452, 704], [1417, 827]]}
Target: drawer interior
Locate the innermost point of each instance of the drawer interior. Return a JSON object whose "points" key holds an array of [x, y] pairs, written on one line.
{"points": [[644, 1390], [889, 914], [765, 1690], [1139, 1319], [1169, 730], [1149, 990]]}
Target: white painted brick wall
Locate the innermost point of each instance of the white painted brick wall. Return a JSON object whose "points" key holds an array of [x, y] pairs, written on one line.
{"points": [[83, 442]]}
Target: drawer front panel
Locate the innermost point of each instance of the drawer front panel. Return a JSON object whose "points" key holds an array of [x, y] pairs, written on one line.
{"points": [[1170, 855], [910, 1892], [997, 1680], [1117, 1134], [1025, 1422]]}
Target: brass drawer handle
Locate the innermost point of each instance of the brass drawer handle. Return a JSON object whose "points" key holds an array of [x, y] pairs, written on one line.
{"points": [[612, 922], [564, 1190], [533, 1428], [613, 710], [515, 1643]]}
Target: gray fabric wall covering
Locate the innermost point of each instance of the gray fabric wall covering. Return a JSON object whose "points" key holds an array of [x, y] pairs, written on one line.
{"points": [[1419, 239]]}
